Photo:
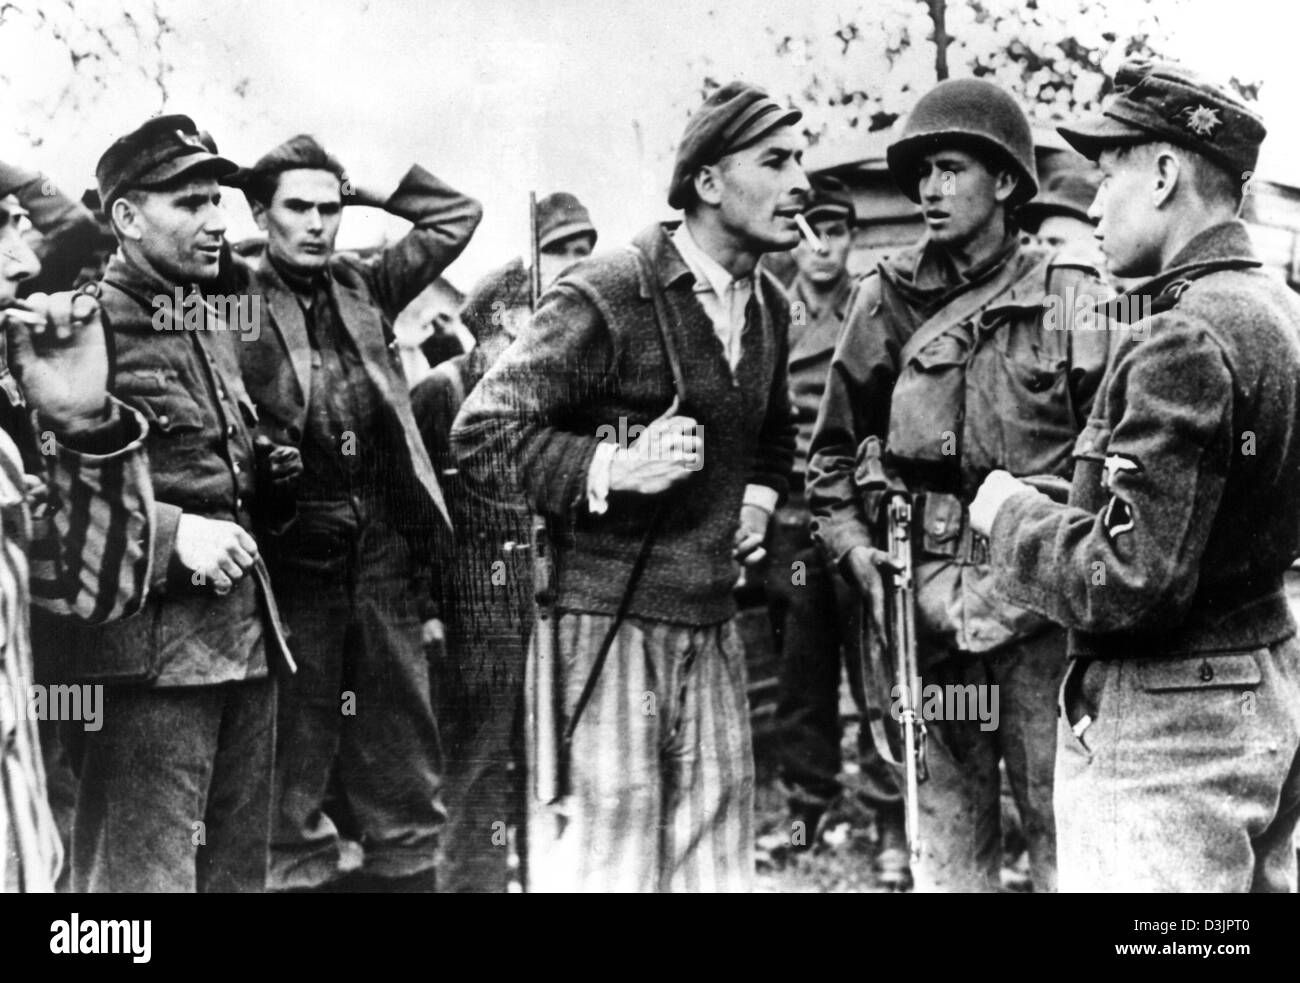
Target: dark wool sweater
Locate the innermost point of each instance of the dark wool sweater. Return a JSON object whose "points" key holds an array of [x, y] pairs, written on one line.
{"points": [[593, 357]]}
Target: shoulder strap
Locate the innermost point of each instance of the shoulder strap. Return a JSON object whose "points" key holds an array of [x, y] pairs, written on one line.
{"points": [[965, 307], [660, 303]]}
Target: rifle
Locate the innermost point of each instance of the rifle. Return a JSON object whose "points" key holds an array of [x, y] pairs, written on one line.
{"points": [[545, 696], [890, 622], [901, 632]]}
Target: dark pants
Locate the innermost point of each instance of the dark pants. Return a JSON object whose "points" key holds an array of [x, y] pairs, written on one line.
{"points": [[356, 719], [175, 790], [816, 616], [961, 801], [478, 693]]}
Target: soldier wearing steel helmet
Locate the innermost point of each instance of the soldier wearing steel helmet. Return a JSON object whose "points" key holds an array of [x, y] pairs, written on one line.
{"points": [[947, 369]]}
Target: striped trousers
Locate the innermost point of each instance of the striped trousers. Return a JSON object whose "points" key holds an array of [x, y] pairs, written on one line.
{"points": [[661, 771]]}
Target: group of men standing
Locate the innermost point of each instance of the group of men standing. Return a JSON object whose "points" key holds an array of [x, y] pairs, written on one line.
{"points": [[669, 412]]}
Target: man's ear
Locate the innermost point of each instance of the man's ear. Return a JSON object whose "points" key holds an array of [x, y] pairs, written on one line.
{"points": [[259, 213], [1005, 185], [1169, 171], [708, 184], [126, 219]]}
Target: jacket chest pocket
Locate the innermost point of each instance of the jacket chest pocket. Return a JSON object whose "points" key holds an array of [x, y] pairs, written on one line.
{"points": [[1020, 392], [162, 396], [928, 407]]}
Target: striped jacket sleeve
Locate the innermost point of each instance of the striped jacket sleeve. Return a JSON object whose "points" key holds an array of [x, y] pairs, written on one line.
{"points": [[92, 537]]}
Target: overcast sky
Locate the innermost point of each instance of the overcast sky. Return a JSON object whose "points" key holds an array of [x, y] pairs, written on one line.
{"points": [[500, 96]]}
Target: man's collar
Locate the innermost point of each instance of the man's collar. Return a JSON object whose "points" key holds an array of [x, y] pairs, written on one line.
{"points": [[935, 266], [303, 285], [707, 270], [1226, 245], [139, 279], [837, 300], [1227, 240]]}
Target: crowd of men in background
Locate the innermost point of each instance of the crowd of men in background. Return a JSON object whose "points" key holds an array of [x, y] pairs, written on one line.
{"points": [[356, 630]]}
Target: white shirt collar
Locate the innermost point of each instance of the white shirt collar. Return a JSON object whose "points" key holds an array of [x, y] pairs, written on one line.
{"points": [[709, 273]]}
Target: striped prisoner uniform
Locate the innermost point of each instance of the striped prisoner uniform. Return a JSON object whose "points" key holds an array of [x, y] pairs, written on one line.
{"points": [[83, 552]]}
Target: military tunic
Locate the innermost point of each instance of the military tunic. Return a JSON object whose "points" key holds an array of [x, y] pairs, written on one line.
{"points": [[960, 374], [1181, 722]]}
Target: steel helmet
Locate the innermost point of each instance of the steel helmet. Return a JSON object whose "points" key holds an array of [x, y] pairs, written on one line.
{"points": [[966, 113]]}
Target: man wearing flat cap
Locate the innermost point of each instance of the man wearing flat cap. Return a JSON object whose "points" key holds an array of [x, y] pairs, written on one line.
{"points": [[1178, 764], [647, 410], [487, 592], [811, 606], [947, 369], [352, 566], [175, 789]]}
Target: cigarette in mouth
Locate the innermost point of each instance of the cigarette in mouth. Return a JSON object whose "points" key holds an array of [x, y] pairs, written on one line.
{"points": [[817, 245]]}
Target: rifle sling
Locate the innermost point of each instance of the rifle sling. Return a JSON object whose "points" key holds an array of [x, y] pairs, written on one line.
{"points": [[656, 292]]}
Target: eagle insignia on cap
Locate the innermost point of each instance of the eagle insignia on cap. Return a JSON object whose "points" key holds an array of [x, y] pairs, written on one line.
{"points": [[1201, 120], [190, 140]]}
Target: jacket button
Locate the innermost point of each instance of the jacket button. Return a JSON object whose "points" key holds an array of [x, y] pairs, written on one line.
{"points": [[163, 419], [235, 467], [239, 502], [1207, 672], [230, 431]]}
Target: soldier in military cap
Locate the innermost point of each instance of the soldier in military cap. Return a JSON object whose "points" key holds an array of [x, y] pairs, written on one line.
{"points": [[1178, 762], [175, 789], [681, 331], [945, 371], [811, 606], [1059, 215], [499, 304]]}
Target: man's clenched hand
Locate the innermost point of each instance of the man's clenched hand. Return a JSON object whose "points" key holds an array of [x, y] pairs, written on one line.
{"points": [[57, 353], [219, 551], [664, 455], [996, 489]]}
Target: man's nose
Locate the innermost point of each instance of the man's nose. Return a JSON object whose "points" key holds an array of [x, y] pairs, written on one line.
{"points": [[315, 220], [214, 221], [932, 185], [1095, 210], [17, 260], [801, 187]]}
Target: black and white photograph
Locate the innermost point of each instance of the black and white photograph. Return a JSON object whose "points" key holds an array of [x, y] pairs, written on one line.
{"points": [[702, 446]]}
